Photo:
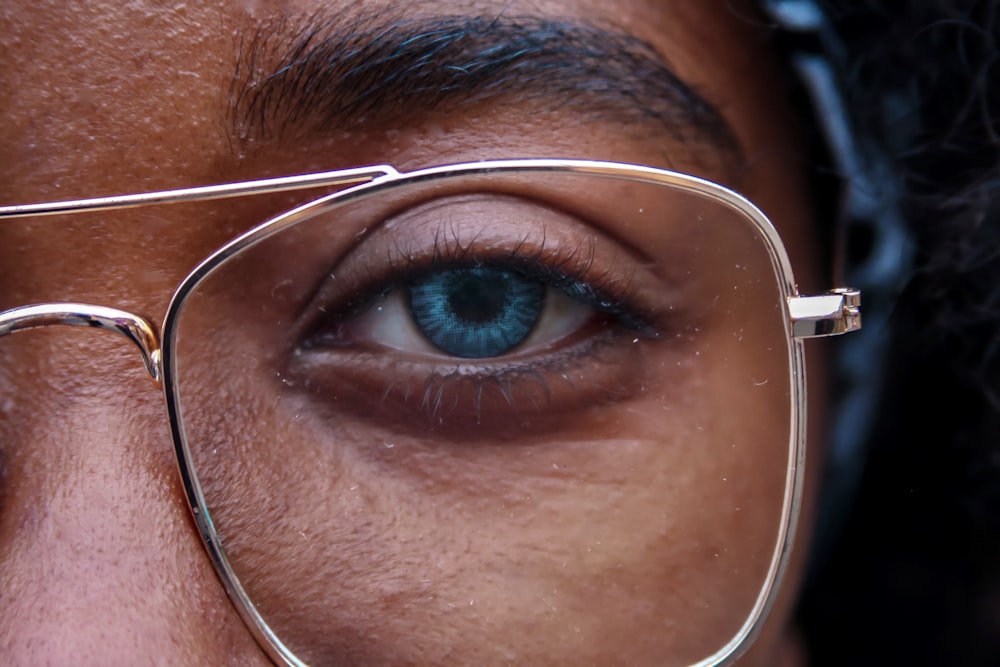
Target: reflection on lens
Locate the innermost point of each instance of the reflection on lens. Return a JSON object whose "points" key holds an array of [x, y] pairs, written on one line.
{"points": [[496, 418]]}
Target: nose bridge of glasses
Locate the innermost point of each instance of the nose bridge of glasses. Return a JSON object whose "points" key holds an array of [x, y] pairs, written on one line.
{"points": [[136, 328]]}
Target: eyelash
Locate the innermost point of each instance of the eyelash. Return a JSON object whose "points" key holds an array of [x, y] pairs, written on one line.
{"points": [[571, 272]]}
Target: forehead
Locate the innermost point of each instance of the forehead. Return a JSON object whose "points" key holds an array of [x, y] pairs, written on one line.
{"points": [[150, 85]]}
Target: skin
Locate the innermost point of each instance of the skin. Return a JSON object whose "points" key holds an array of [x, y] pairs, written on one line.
{"points": [[99, 559]]}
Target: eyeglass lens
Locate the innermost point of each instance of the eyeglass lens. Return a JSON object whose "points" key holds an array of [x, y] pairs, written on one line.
{"points": [[549, 406]]}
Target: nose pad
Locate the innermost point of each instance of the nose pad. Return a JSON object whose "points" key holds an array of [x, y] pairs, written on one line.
{"points": [[99, 560], [136, 328]]}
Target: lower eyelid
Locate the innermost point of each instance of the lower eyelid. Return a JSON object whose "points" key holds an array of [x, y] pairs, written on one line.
{"points": [[495, 398]]}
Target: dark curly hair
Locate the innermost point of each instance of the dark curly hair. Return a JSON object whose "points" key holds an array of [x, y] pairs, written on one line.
{"points": [[915, 578]]}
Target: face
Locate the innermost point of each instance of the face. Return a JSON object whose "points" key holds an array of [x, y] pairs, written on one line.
{"points": [[598, 478]]}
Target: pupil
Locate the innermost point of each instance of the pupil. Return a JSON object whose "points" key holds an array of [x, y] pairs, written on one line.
{"points": [[476, 313], [477, 299]]}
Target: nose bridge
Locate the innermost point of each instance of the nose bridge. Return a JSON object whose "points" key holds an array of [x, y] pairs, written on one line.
{"points": [[79, 543], [99, 562], [136, 328]]}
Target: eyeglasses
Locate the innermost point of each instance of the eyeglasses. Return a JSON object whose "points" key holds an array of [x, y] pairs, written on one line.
{"points": [[508, 399]]}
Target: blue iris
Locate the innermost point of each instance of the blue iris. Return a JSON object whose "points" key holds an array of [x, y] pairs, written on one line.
{"points": [[476, 312]]}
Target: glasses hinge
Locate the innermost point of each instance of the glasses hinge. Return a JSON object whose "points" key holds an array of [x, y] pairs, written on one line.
{"points": [[836, 312]]}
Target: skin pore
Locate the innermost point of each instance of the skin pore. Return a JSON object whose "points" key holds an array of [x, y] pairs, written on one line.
{"points": [[99, 560]]}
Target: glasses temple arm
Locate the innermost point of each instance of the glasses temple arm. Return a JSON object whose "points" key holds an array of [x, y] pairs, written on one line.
{"points": [[202, 193]]}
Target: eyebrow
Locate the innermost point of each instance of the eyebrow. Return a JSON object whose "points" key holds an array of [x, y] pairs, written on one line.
{"points": [[331, 74]]}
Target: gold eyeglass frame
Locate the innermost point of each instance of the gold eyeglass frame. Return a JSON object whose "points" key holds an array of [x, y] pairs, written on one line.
{"points": [[832, 313]]}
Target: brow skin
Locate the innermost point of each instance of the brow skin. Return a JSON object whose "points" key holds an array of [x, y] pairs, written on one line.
{"points": [[325, 73]]}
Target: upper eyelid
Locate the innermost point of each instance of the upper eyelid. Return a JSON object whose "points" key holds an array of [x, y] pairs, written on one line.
{"points": [[449, 245]]}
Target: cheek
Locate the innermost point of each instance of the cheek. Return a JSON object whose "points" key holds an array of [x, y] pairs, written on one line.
{"points": [[643, 532], [94, 533]]}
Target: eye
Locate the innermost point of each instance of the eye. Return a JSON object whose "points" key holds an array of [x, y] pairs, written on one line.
{"points": [[482, 308], [477, 313]]}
